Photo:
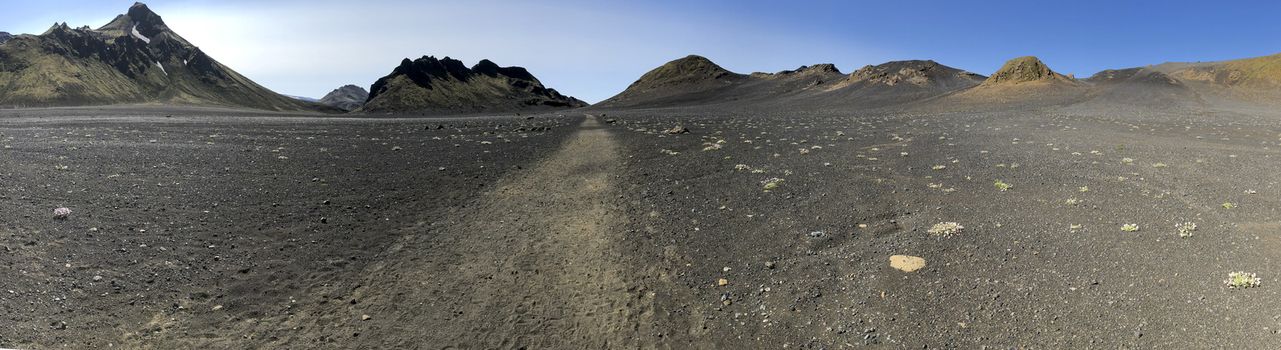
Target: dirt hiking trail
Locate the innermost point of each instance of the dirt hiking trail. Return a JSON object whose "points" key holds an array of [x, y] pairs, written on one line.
{"points": [[530, 264]]}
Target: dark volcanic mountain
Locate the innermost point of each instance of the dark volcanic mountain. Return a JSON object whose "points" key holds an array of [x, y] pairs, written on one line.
{"points": [[446, 86], [134, 59], [347, 98]]}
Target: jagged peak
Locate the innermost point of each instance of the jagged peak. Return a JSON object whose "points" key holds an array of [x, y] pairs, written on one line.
{"points": [[149, 23], [57, 27], [432, 66], [140, 11], [817, 68], [485, 65], [820, 69]]}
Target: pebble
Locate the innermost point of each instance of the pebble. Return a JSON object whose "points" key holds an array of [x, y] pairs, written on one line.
{"points": [[907, 263]]}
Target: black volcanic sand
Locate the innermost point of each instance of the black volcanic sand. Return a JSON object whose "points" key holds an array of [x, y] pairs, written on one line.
{"points": [[192, 230], [606, 232]]}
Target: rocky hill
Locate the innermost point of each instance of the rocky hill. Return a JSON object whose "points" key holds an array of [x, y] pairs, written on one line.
{"points": [[1021, 82], [1249, 73], [899, 82], [5, 36], [135, 58], [347, 98], [1026, 69], [445, 86], [797, 81]]}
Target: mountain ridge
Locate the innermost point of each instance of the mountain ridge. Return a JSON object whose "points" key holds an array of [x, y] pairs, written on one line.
{"points": [[447, 86]]}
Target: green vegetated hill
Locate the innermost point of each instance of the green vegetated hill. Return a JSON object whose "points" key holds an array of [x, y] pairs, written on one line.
{"points": [[133, 59]]}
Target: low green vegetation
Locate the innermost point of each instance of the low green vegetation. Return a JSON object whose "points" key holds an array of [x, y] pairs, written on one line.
{"points": [[1002, 186], [772, 183], [1242, 280], [1185, 229]]}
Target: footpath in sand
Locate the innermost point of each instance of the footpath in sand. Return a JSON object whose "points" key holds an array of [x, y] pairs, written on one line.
{"points": [[530, 264]]}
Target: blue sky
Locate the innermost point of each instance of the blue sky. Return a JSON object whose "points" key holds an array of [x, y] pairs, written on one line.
{"points": [[594, 49]]}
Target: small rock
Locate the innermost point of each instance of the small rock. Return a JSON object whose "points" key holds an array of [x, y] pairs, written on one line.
{"points": [[677, 130], [769, 265], [722, 282], [365, 317], [907, 263]]}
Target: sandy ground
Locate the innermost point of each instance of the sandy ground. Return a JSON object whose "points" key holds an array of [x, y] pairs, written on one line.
{"points": [[602, 231]]}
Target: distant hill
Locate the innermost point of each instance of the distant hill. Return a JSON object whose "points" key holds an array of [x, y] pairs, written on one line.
{"points": [[899, 82], [135, 58], [695, 80], [689, 80], [1133, 76], [916, 73], [1140, 87], [445, 86], [304, 98], [1255, 73], [347, 98], [1253, 80], [5, 36]]}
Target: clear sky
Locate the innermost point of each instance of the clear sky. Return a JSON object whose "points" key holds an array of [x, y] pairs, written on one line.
{"points": [[592, 49]]}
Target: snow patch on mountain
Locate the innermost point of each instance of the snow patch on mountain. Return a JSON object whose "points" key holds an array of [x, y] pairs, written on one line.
{"points": [[138, 35]]}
